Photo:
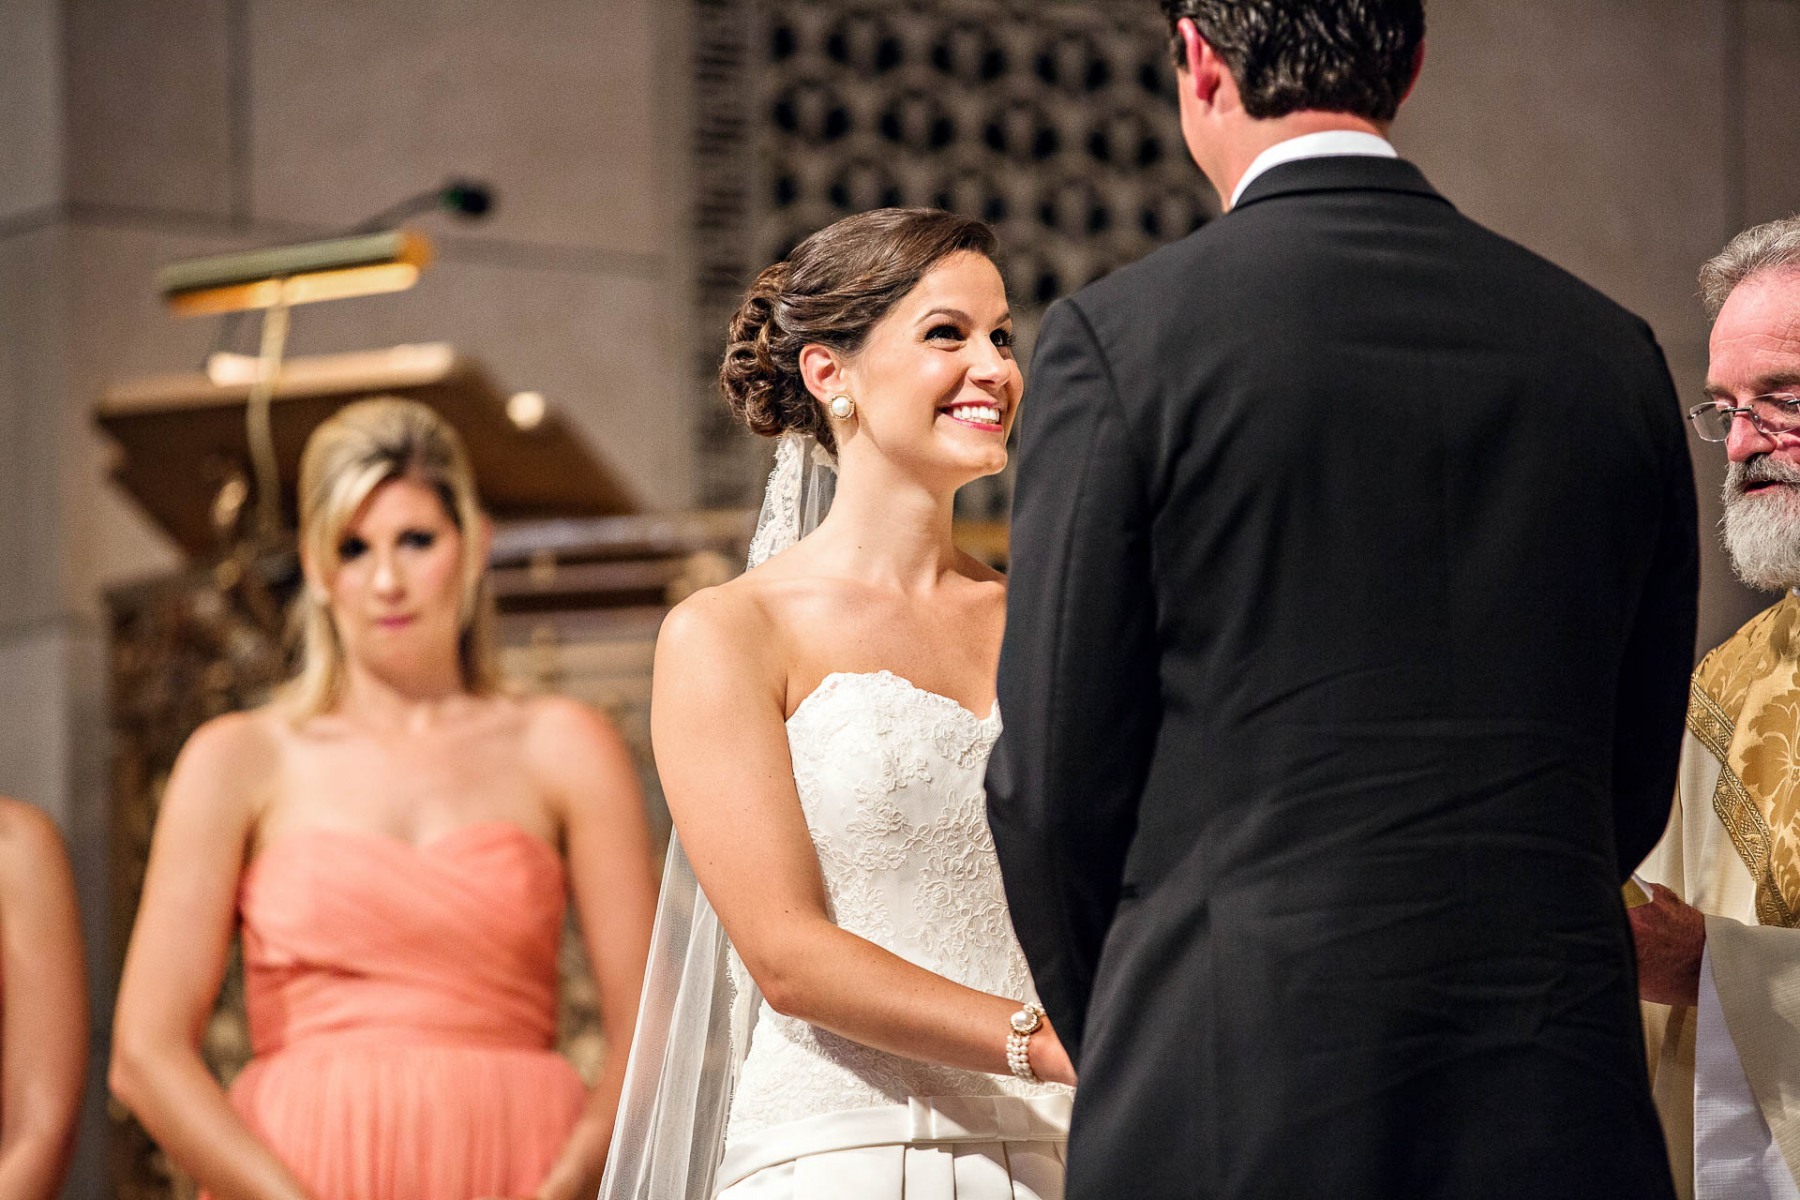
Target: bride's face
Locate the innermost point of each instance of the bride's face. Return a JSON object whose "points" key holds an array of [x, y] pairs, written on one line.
{"points": [[936, 385]]}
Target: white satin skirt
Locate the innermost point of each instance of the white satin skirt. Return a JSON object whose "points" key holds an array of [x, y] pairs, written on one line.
{"points": [[934, 1148]]}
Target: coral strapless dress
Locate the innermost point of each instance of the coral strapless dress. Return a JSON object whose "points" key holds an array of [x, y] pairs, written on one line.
{"points": [[402, 1006]]}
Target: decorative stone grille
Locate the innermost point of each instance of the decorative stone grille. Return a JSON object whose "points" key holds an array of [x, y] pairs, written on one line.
{"points": [[1054, 122]]}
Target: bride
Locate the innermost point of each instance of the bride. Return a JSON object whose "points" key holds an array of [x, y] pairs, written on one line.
{"points": [[821, 726]]}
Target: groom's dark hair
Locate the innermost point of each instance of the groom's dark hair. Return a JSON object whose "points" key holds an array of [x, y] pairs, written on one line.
{"points": [[1351, 56]]}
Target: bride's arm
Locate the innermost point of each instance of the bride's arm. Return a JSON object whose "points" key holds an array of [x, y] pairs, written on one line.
{"points": [[717, 722], [176, 962]]}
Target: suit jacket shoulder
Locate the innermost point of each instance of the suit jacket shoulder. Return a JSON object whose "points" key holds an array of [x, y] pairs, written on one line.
{"points": [[1320, 244], [1260, 234]]}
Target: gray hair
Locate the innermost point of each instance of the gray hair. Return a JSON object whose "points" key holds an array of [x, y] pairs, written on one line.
{"points": [[1771, 246]]}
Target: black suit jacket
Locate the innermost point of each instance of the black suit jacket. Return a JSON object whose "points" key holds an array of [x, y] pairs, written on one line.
{"points": [[1351, 614]]}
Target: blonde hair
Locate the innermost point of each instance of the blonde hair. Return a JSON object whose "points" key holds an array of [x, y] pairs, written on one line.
{"points": [[362, 446]]}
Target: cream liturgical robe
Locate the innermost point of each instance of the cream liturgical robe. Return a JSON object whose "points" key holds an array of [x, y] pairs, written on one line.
{"points": [[1726, 1073]]}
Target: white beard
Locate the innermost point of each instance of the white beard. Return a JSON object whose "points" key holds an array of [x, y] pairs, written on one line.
{"points": [[1762, 530]]}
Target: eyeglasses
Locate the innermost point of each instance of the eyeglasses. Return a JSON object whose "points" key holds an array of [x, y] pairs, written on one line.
{"points": [[1776, 413]]}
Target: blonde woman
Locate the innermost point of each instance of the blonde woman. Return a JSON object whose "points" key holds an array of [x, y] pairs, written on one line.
{"points": [[43, 1033], [395, 838]]}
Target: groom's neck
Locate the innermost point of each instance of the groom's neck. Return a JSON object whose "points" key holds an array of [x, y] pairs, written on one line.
{"points": [[1238, 145]]}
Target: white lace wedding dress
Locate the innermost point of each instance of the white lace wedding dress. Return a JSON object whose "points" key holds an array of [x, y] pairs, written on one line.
{"points": [[890, 778]]}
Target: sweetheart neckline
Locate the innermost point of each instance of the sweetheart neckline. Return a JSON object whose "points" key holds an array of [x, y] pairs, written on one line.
{"points": [[418, 850], [832, 677]]}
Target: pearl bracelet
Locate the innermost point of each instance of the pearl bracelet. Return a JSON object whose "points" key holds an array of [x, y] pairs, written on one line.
{"points": [[1025, 1022]]}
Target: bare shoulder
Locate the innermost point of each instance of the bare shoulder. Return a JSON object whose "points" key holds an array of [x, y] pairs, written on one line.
{"points": [[236, 742], [576, 756], [983, 589], [36, 879], [556, 726], [28, 839], [733, 622], [229, 765]]}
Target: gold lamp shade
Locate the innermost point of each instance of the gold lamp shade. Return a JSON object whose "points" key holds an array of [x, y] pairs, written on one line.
{"points": [[304, 273]]}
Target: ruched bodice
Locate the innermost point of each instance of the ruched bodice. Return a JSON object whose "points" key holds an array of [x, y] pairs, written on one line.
{"points": [[402, 1005], [354, 934], [890, 778]]}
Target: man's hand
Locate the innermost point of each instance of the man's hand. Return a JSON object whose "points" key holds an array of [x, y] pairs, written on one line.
{"points": [[1670, 937]]}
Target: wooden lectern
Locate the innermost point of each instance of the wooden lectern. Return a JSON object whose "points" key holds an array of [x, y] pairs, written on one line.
{"points": [[187, 457]]}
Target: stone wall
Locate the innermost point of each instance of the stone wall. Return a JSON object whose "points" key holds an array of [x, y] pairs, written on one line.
{"points": [[1626, 139]]}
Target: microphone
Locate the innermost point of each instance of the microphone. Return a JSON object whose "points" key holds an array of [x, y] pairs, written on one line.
{"points": [[470, 199], [467, 198]]}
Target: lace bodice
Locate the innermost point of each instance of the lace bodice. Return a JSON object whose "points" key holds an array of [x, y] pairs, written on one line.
{"points": [[890, 779]]}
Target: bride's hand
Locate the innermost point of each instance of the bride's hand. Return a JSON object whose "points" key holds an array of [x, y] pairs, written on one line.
{"points": [[1049, 1061]]}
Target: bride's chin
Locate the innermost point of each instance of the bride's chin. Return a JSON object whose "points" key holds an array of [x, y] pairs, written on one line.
{"points": [[986, 457], [993, 461], [941, 463], [967, 468]]}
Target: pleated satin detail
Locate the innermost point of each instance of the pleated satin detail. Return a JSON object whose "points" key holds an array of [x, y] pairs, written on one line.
{"points": [[952, 1171], [402, 1005]]}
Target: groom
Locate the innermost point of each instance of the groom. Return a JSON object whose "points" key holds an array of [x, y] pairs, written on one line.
{"points": [[1351, 613]]}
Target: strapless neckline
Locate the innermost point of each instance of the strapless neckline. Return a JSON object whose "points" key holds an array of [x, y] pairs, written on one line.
{"points": [[474, 833], [888, 679]]}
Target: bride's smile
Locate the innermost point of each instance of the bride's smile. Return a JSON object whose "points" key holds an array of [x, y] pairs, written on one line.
{"points": [[936, 385]]}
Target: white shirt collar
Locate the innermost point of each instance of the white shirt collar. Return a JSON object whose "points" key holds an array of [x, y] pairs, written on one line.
{"points": [[1315, 145]]}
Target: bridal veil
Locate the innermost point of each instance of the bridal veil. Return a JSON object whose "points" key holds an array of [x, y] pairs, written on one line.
{"points": [[694, 1024]]}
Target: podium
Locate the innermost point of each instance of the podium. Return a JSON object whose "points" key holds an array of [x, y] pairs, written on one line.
{"points": [[184, 441]]}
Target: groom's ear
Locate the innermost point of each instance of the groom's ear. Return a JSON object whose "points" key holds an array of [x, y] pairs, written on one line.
{"points": [[1202, 71], [823, 372]]}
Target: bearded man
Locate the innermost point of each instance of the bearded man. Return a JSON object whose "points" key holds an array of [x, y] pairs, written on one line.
{"points": [[1719, 943]]}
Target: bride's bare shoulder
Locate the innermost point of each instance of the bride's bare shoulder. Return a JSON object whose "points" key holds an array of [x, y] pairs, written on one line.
{"points": [[759, 603], [748, 620], [727, 621]]}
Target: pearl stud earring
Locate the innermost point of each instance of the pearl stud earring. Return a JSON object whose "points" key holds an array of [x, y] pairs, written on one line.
{"points": [[842, 407]]}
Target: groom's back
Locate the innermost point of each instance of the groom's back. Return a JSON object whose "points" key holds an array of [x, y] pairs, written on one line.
{"points": [[1406, 480], [1411, 495]]}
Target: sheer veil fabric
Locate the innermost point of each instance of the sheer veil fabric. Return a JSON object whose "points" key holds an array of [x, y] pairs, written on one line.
{"points": [[693, 1026]]}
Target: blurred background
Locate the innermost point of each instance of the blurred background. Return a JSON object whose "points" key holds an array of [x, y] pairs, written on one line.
{"points": [[642, 158]]}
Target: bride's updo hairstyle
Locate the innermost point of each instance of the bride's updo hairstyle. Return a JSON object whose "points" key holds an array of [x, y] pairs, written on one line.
{"points": [[362, 446], [831, 291]]}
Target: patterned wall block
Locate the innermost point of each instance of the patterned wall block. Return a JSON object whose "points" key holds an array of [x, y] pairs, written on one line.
{"points": [[1055, 123]]}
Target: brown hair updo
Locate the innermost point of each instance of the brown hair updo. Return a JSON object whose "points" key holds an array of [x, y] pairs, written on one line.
{"points": [[831, 291]]}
